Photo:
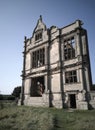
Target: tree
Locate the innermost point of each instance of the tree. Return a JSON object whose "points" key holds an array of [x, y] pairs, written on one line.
{"points": [[17, 91], [93, 86]]}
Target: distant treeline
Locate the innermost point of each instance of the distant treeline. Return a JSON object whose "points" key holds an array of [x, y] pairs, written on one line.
{"points": [[7, 97]]}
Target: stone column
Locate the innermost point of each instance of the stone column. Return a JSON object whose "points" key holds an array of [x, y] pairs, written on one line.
{"points": [[87, 80], [23, 73], [81, 78], [61, 69], [27, 85], [45, 83], [78, 46], [80, 58]]}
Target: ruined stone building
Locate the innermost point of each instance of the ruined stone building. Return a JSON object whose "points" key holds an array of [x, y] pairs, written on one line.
{"points": [[56, 67]]}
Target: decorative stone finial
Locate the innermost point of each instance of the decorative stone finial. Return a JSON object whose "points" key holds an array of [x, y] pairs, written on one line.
{"points": [[25, 38], [40, 17]]}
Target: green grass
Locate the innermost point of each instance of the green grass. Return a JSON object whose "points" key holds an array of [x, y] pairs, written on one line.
{"points": [[76, 120], [13, 117]]}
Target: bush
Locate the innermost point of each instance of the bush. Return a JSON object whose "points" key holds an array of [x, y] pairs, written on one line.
{"points": [[7, 97], [16, 92]]}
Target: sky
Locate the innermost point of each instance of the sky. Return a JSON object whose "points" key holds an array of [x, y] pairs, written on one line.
{"points": [[18, 18]]}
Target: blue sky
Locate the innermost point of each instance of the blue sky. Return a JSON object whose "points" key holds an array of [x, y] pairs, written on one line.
{"points": [[19, 17]]}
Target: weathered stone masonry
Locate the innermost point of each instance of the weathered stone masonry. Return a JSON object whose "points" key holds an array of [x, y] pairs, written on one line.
{"points": [[56, 67]]}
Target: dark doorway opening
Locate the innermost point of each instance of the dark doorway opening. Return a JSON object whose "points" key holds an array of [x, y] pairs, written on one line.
{"points": [[72, 100], [37, 86]]}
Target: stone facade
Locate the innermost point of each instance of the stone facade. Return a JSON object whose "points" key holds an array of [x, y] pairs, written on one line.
{"points": [[56, 67]]}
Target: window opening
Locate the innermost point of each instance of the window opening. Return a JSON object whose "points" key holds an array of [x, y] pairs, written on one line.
{"points": [[37, 86], [69, 48], [38, 36], [38, 58], [71, 77]]}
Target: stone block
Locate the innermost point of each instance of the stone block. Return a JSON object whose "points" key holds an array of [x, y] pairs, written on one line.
{"points": [[82, 105]]}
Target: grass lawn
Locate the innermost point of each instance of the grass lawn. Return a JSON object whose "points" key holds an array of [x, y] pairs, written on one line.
{"points": [[13, 117]]}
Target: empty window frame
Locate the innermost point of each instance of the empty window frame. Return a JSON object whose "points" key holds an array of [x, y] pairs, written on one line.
{"points": [[38, 36], [69, 48], [71, 76], [38, 58]]}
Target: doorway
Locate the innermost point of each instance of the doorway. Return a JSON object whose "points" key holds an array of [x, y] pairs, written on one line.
{"points": [[72, 98]]}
